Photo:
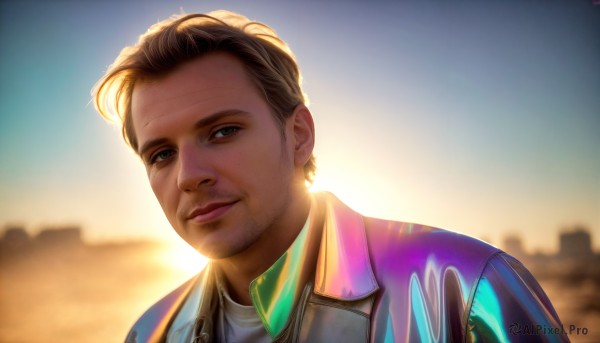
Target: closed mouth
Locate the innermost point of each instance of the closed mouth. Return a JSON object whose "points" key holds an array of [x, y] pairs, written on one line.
{"points": [[210, 211]]}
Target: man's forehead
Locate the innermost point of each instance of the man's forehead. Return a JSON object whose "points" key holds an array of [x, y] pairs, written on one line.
{"points": [[201, 81]]}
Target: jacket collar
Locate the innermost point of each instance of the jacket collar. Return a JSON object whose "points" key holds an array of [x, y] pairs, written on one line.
{"points": [[275, 292], [343, 268]]}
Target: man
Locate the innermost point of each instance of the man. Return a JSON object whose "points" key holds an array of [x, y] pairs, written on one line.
{"points": [[213, 106]]}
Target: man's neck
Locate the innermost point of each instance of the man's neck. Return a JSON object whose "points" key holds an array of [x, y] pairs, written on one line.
{"points": [[239, 270]]}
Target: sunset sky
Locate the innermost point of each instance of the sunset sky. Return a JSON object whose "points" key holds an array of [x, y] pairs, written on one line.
{"points": [[477, 116]]}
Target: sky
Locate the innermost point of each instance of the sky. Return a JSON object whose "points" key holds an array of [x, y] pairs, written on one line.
{"points": [[481, 117]]}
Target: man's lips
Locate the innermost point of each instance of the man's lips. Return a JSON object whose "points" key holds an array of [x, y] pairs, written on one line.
{"points": [[210, 211]]}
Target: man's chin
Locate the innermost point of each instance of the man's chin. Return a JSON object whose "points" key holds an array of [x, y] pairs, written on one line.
{"points": [[217, 240], [216, 251]]}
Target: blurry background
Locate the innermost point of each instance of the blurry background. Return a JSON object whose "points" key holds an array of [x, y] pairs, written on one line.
{"points": [[478, 117]]}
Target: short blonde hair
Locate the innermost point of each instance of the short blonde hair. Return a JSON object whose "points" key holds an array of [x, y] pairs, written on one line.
{"points": [[268, 60]]}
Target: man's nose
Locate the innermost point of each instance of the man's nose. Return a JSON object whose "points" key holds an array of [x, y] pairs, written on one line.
{"points": [[194, 170]]}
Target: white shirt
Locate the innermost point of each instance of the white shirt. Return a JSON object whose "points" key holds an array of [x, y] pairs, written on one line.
{"points": [[238, 323]]}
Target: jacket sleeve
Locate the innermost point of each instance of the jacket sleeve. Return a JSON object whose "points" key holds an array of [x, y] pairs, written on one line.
{"points": [[509, 305]]}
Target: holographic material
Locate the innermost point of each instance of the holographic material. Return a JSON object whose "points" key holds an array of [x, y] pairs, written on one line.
{"points": [[343, 268], [509, 305], [276, 290], [191, 312], [383, 281], [155, 322]]}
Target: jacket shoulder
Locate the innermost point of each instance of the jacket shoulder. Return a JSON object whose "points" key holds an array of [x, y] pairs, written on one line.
{"points": [[392, 238], [427, 277], [404, 253], [153, 325]]}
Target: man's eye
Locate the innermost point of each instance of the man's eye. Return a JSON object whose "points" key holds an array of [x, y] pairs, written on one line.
{"points": [[226, 132], [161, 156]]}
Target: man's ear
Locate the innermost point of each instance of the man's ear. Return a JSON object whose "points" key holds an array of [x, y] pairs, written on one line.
{"points": [[304, 135]]}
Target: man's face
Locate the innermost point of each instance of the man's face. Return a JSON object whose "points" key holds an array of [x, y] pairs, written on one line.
{"points": [[215, 157]]}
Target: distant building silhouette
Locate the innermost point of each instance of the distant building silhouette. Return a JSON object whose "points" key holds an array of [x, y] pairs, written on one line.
{"points": [[14, 238], [514, 246], [15, 241], [63, 237], [576, 244]]}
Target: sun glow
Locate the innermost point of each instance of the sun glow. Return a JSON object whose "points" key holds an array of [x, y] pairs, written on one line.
{"points": [[182, 258], [353, 193]]}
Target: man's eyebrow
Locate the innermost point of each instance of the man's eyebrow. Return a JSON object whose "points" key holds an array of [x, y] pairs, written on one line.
{"points": [[211, 119], [207, 121]]}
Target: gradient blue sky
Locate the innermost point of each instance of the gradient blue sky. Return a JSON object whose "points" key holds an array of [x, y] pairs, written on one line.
{"points": [[478, 116]]}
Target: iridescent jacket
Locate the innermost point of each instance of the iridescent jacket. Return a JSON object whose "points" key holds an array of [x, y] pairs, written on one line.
{"points": [[375, 281]]}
